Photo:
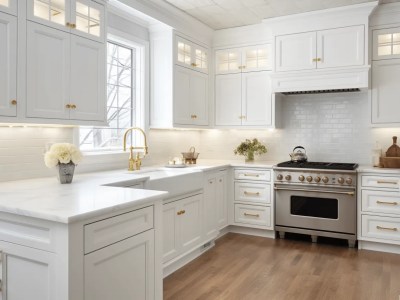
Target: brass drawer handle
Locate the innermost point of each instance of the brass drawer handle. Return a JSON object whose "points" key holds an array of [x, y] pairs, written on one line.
{"points": [[251, 193], [181, 212], [68, 106], [252, 215], [387, 203], [194, 64], [73, 106], [386, 228], [314, 60], [319, 59], [386, 182], [251, 175]]}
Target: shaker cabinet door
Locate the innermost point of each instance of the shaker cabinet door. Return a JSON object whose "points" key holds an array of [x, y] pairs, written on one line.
{"points": [[191, 222], [199, 98], [182, 94], [228, 99], [48, 69], [8, 65]]}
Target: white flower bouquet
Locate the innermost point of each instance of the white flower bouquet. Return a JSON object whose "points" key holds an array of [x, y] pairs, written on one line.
{"points": [[62, 153]]}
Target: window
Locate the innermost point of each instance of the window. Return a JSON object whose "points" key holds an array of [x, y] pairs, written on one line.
{"points": [[123, 99]]}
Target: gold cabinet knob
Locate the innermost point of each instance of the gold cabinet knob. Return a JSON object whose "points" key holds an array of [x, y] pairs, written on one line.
{"points": [[193, 64], [68, 106], [73, 26], [183, 211], [13, 102], [70, 25], [73, 106]]}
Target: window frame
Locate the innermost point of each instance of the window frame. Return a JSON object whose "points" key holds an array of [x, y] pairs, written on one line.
{"points": [[142, 85]]}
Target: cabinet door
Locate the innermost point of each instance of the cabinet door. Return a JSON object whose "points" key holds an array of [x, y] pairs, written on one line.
{"points": [[228, 99], [171, 245], [190, 222], [386, 43], [53, 13], [200, 59], [256, 99], [256, 58], [88, 18], [124, 270], [222, 200], [182, 109], [48, 69], [88, 80], [296, 52], [199, 98], [183, 52], [340, 47], [27, 273], [9, 6], [385, 91], [210, 208], [8, 65], [228, 61]]}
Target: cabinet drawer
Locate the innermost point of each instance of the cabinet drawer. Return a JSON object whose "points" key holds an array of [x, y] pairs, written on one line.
{"points": [[253, 174], [252, 192], [252, 214], [106, 232], [380, 227], [391, 182], [380, 201]]}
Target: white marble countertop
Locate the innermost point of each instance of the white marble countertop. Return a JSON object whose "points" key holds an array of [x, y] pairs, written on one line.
{"points": [[93, 194], [371, 169]]}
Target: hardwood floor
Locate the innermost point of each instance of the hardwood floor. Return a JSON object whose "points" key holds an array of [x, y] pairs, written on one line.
{"points": [[248, 267]]}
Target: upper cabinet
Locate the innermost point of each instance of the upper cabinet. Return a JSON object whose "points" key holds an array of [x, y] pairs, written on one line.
{"points": [[9, 6], [81, 17], [190, 55], [8, 65], [386, 43], [332, 48], [245, 59]]}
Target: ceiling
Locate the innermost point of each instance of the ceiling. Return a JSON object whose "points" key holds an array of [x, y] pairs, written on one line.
{"points": [[220, 14]]}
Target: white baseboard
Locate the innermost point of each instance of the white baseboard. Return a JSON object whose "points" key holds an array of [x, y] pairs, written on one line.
{"points": [[381, 247]]}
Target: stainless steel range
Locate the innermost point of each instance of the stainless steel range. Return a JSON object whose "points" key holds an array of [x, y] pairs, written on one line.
{"points": [[316, 198]]}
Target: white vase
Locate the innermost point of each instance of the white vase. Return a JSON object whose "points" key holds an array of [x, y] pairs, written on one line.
{"points": [[65, 172]]}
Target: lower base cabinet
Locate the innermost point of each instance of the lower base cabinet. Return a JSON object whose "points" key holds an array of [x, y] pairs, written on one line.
{"points": [[124, 270], [182, 226]]}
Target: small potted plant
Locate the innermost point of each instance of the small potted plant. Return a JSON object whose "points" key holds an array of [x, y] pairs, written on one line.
{"points": [[250, 147], [65, 156]]}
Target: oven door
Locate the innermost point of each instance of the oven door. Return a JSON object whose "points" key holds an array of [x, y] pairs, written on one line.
{"points": [[327, 209]]}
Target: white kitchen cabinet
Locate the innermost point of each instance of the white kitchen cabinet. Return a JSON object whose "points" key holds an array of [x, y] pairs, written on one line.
{"points": [[182, 220], [190, 55], [385, 92], [8, 65], [27, 273], [65, 75], [81, 17], [253, 205], [244, 59], [215, 204], [386, 43], [244, 100], [191, 97], [9, 6], [124, 270], [332, 48]]}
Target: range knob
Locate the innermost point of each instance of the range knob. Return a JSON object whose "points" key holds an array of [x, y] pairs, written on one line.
{"points": [[325, 179], [301, 178], [309, 178], [317, 179], [288, 177], [349, 180], [341, 180], [279, 177]]}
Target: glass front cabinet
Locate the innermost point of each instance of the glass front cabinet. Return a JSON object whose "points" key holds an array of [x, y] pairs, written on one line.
{"points": [[81, 17], [9, 6], [386, 43], [190, 55]]}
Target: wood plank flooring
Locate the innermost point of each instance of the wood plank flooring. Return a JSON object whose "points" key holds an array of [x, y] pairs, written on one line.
{"points": [[248, 267]]}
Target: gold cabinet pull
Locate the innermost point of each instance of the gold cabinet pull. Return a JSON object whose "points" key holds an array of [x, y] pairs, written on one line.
{"points": [[73, 106], [13, 102], [70, 25], [243, 67], [251, 175], [183, 211], [68, 106], [386, 182], [386, 228], [179, 213], [387, 203], [251, 193], [319, 59], [252, 215], [73, 26], [193, 116], [193, 64], [240, 67], [314, 60], [242, 117]]}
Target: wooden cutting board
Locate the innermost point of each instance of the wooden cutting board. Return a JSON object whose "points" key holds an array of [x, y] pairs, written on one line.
{"points": [[394, 150]]}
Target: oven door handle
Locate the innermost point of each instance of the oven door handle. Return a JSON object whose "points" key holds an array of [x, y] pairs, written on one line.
{"points": [[317, 191]]}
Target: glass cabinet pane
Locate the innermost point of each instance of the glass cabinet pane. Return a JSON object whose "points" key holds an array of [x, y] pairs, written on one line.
{"points": [[184, 53], [389, 44], [51, 10], [256, 58], [5, 3], [228, 61], [87, 19], [201, 59]]}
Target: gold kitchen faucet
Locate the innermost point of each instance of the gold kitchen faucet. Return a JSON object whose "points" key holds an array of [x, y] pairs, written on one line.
{"points": [[136, 162]]}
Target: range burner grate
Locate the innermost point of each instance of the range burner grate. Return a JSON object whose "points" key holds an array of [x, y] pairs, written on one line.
{"points": [[318, 165]]}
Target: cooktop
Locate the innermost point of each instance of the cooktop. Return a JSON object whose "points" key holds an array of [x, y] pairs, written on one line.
{"points": [[318, 165]]}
